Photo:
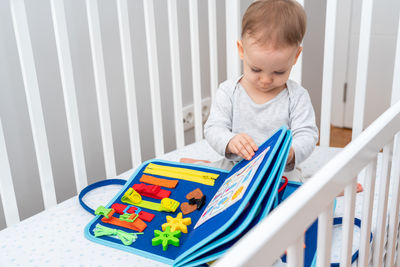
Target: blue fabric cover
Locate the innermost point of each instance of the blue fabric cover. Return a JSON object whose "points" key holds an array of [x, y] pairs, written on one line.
{"points": [[221, 230]]}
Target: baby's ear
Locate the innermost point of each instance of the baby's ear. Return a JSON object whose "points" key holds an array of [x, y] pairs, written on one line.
{"points": [[300, 49], [240, 48]]}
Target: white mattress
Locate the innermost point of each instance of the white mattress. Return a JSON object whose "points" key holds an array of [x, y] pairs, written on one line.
{"points": [[55, 237]]}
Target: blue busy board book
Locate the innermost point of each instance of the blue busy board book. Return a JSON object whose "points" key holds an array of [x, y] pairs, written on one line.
{"points": [[200, 217]]}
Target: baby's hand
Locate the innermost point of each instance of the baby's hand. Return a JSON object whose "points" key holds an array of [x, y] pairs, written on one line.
{"points": [[242, 145], [290, 158]]}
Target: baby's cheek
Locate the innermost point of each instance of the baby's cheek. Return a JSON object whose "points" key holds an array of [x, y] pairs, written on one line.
{"points": [[252, 77], [282, 80]]}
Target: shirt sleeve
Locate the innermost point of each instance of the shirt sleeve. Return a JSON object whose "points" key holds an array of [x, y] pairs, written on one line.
{"points": [[303, 126], [218, 128]]}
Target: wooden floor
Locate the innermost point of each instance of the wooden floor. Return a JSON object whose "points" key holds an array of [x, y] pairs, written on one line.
{"points": [[340, 137]]}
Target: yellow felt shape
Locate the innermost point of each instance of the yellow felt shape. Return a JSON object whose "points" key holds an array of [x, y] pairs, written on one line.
{"points": [[177, 223]]}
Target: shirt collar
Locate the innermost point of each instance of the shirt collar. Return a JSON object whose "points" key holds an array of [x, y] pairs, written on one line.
{"points": [[238, 79]]}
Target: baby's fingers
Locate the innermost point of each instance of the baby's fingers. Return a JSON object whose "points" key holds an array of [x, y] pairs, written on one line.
{"points": [[247, 149], [242, 145], [251, 142], [239, 149]]}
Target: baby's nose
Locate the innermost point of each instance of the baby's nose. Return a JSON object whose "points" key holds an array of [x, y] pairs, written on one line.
{"points": [[265, 79]]}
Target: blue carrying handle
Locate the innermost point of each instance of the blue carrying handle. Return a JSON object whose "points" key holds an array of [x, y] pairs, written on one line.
{"points": [[357, 222], [336, 221], [95, 185]]}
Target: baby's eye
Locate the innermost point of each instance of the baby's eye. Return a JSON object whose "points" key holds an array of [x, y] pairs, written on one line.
{"points": [[255, 70], [279, 72]]}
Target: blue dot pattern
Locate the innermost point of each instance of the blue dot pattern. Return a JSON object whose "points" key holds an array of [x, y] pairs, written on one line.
{"points": [[55, 237]]}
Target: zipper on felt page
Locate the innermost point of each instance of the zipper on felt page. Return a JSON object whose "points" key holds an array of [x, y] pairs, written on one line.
{"points": [[182, 173]]}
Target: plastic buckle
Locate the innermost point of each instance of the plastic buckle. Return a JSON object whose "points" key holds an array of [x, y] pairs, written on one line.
{"points": [[138, 210]]}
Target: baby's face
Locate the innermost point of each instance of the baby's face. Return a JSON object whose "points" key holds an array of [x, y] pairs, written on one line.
{"points": [[266, 69]]}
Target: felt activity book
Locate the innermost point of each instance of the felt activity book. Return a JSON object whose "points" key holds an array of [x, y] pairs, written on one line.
{"points": [[188, 214]]}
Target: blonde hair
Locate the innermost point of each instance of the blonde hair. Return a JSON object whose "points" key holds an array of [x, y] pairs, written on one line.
{"points": [[275, 22]]}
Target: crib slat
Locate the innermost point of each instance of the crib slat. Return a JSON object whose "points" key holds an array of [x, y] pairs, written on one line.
{"points": [[394, 205], [348, 225], [369, 189], [213, 45], [196, 75], [396, 78], [7, 192], [295, 253], [397, 260], [176, 72], [34, 103], [68, 85], [129, 81], [324, 239], [101, 86], [382, 207], [327, 77], [395, 172], [151, 43], [362, 67], [232, 35], [296, 72]]}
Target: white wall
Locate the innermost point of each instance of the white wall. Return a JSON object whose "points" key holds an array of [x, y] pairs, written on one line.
{"points": [[381, 62], [14, 113]]}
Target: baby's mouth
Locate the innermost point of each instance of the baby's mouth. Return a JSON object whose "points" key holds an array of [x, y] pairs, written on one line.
{"points": [[264, 88]]}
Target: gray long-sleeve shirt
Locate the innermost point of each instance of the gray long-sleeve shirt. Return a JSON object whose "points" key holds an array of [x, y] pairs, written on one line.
{"points": [[233, 112]]}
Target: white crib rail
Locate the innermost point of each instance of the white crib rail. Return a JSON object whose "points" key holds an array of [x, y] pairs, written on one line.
{"points": [[33, 100], [295, 253], [382, 206], [325, 220], [362, 67], [7, 191], [101, 86], [68, 85], [348, 225], [195, 54], [176, 73], [395, 171], [394, 205], [213, 44], [369, 189], [285, 225], [151, 43], [327, 77], [129, 80]]}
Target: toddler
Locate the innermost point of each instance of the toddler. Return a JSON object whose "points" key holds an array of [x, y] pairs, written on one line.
{"points": [[249, 109]]}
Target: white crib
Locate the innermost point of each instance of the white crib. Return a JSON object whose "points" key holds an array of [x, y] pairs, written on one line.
{"points": [[41, 240]]}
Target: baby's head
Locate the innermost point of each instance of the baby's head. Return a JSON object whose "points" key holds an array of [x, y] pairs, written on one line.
{"points": [[275, 23], [272, 31]]}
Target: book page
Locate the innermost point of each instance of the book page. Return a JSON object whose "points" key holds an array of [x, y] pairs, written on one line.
{"points": [[232, 190]]}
